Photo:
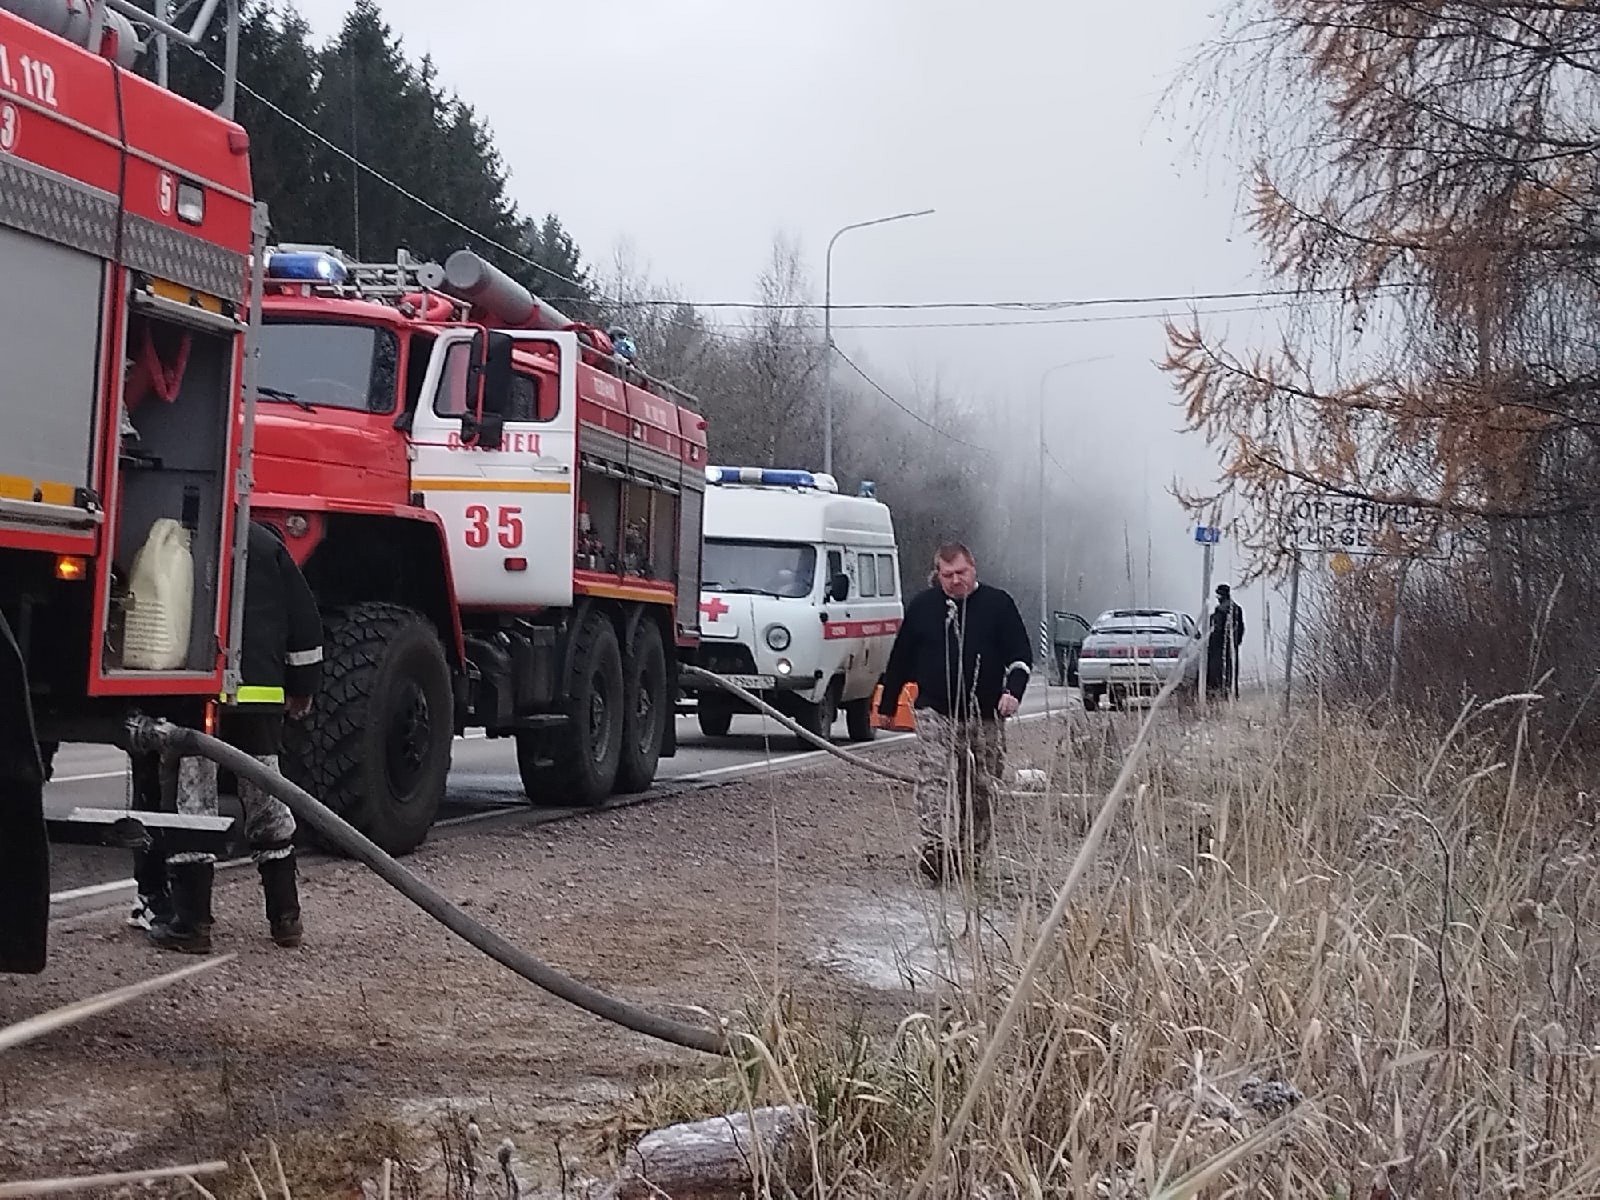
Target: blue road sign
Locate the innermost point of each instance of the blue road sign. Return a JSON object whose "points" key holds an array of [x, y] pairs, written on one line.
{"points": [[1207, 535]]}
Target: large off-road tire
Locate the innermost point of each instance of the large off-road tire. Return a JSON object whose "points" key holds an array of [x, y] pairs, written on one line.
{"points": [[714, 714], [858, 720], [647, 708], [376, 744], [586, 752]]}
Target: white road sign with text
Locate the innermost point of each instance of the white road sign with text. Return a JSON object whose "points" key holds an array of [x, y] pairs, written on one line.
{"points": [[1324, 523]]}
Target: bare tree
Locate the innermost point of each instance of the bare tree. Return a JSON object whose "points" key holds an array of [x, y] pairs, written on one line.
{"points": [[1431, 165]]}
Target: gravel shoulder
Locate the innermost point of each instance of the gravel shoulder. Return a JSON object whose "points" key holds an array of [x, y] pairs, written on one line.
{"points": [[797, 883]]}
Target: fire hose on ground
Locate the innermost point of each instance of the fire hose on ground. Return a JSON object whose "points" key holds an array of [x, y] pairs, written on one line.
{"points": [[146, 734]]}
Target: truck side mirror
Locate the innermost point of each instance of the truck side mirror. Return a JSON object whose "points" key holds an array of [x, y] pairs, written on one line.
{"points": [[484, 426], [839, 588]]}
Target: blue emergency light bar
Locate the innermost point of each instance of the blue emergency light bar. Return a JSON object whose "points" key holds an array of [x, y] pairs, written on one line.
{"points": [[765, 477], [311, 266]]}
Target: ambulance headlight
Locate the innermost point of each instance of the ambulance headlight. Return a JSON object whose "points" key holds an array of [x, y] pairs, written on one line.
{"points": [[785, 667], [777, 637]]}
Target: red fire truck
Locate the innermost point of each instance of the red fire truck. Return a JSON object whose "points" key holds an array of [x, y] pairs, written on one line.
{"points": [[127, 229], [501, 519]]}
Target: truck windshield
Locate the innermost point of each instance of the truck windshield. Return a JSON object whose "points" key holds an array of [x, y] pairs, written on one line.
{"points": [[328, 366], [760, 568]]}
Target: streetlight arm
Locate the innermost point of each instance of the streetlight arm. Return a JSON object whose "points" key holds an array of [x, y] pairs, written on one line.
{"points": [[827, 328]]}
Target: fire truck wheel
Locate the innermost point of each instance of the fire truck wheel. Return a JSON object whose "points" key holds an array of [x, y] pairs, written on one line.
{"points": [[376, 745], [715, 716], [587, 752], [858, 720], [646, 709]]}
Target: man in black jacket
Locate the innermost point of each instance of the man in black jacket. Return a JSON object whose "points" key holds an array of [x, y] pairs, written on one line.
{"points": [[280, 667], [1222, 644], [966, 649]]}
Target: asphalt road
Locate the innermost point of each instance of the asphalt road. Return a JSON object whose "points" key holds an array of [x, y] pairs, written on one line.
{"points": [[483, 785]]}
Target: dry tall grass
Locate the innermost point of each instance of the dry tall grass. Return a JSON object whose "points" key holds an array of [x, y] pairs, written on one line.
{"points": [[1330, 960]]}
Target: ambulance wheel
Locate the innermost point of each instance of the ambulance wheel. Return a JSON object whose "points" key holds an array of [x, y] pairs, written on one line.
{"points": [[646, 709], [715, 716], [375, 746], [1091, 699], [588, 750], [858, 720], [818, 718]]}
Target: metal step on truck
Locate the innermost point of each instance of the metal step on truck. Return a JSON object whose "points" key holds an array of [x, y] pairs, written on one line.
{"points": [[127, 234]]}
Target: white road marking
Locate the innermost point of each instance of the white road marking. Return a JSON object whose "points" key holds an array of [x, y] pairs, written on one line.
{"points": [[86, 778], [117, 885], [101, 889]]}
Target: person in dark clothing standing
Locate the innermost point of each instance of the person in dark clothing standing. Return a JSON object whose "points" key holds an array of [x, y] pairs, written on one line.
{"points": [[1222, 644], [280, 668], [965, 647]]}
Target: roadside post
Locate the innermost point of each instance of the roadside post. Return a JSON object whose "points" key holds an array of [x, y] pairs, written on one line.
{"points": [[1207, 536]]}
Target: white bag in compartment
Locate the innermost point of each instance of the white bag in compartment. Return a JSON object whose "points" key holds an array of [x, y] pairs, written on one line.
{"points": [[161, 600]]}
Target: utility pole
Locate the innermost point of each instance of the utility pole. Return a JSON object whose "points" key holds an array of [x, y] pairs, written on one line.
{"points": [[827, 329], [1394, 632], [1044, 518], [1294, 618], [1207, 536]]}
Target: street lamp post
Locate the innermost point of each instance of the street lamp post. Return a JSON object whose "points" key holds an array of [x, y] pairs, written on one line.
{"points": [[827, 329], [1044, 571]]}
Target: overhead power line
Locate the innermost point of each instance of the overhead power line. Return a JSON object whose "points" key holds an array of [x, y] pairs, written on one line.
{"points": [[387, 182], [1025, 322], [1010, 305], [1022, 306], [907, 409]]}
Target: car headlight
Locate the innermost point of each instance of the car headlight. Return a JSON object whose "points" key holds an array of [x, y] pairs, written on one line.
{"points": [[777, 637], [785, 666]]}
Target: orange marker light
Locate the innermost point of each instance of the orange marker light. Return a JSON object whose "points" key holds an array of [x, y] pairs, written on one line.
{"points": [[71, 569], [210, 723]]}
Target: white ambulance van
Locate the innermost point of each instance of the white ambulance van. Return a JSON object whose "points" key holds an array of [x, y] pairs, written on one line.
{"points": [[799, 598]]}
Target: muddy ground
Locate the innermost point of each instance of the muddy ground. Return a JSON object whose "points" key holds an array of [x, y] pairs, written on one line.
{"points": [[800, 881]]}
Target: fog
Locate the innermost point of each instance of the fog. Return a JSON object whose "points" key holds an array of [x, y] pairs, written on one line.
{"points": [[690, 134]]}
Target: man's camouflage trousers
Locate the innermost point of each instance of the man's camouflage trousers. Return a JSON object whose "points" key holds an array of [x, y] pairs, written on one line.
{"points": [[959, 768]]}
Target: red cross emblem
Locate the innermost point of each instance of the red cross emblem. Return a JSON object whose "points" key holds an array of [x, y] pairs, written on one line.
{"points": [[714, 607]]}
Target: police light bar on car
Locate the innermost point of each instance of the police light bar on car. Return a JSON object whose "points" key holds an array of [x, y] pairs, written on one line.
{"points": [[772, 477], [310, 266]]}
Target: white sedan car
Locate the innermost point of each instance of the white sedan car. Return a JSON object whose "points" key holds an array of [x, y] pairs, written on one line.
{"points": [[1134, 651]]}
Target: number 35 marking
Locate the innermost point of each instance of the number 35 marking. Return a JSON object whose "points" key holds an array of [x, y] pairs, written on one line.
{"points": [[8, 127], [508, 521]]}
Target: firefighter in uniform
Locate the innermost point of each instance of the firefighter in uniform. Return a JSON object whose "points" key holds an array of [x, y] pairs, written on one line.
{"points": [[280, 667]]}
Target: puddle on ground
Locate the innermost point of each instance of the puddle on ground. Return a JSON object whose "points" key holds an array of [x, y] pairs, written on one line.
{"points": [[889, 941]]}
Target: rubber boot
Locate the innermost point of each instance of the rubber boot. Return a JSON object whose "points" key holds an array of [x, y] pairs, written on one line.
{"points": [[189, 930], [282, 894], [153, 905]]}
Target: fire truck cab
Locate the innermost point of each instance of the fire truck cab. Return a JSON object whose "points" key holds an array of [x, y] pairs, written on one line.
{"points": [[800, 599], [500, 519]]}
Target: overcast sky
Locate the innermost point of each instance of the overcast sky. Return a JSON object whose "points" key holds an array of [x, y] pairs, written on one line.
{"points": [[694, 131]]}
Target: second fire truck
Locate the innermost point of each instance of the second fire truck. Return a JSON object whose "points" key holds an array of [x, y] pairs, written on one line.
{"points": [[501, 519]]}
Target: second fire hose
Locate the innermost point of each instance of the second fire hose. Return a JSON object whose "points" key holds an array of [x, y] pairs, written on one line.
{"points": [[761, 706]]}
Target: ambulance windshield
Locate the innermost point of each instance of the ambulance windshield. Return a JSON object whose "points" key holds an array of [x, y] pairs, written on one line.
{"points": [[759, 568], [328, 366]]}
